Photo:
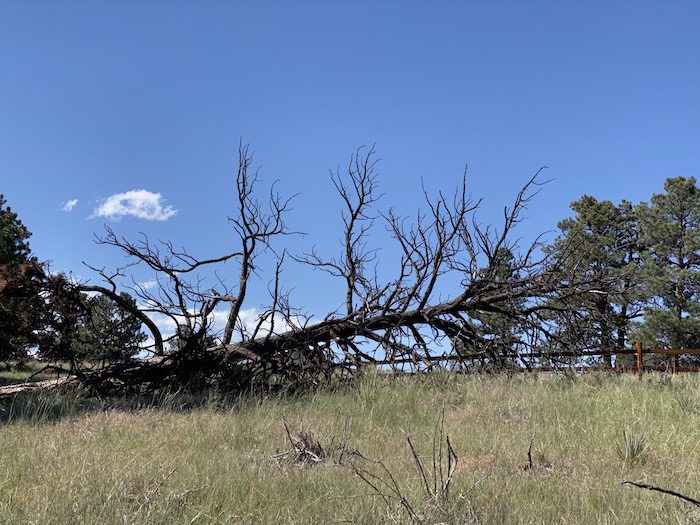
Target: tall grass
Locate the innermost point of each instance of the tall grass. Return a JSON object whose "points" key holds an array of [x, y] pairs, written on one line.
{"points": [[173, 458]]}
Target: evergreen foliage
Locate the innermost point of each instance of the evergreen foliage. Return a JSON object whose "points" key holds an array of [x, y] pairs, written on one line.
{"points": [[14, 237], [644, 260], [107, 333], [670, 231], [501, 331], [20, 276], [600, 244]]}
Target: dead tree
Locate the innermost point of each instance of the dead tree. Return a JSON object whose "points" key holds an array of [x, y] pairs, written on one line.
{"points": [[447, 274]]}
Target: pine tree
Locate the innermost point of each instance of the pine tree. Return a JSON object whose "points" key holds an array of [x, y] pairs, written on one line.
{"points": [[670, 229], [20, 282], [500, 331], [600, 244], [107, 332], [14, 236]]}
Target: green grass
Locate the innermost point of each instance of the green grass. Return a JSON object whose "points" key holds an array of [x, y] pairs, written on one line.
{"points": [[179, 459], [31, 371]]}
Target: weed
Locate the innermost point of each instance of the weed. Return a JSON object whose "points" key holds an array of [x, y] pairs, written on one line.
{"points": [[634, 448], [687, 405], [435, 482]]}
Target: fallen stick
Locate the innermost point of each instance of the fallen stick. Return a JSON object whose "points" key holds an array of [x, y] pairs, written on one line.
{"points": [[663, 491]]}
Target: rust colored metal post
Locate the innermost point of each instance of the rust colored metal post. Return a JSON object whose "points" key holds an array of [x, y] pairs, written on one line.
{"points": [[640, 364]]}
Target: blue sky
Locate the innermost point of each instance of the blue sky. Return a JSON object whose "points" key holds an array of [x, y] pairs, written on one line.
{"points": [[104, 98]]}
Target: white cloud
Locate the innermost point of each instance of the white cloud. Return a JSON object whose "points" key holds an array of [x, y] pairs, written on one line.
{"points": [[164, 323], [142, 204], [69, 205], [248, 317], [148, 285], [218, 319]]}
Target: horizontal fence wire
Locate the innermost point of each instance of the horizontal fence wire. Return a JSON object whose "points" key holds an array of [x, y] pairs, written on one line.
{"points": [[527, 357]]}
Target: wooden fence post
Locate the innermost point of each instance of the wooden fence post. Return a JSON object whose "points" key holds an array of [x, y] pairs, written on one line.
{"points": [[640, 364]]}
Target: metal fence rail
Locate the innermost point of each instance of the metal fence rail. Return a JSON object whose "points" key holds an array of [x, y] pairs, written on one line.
{"points": [[637, 365]]}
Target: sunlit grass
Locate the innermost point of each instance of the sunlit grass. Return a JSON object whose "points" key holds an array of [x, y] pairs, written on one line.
{"points": [[190, 459]]}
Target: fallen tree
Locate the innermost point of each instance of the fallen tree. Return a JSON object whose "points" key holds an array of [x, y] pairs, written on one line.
{"points": [[404, 321]]}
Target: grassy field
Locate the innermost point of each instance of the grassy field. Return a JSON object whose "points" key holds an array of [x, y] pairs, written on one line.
{"points": [[206, 460]]}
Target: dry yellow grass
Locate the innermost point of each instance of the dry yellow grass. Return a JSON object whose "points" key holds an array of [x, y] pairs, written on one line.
{"points": [[183, 460]]}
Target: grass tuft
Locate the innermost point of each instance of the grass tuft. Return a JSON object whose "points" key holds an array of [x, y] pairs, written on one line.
{"points": [[633, 448]]}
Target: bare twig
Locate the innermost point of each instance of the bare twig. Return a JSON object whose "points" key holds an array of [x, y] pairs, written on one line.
{"points": [[670, 492], [435, 485], [530, 465]]}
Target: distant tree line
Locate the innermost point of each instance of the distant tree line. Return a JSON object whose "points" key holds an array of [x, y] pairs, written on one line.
{"points": [[615, 273], [645, 261]]}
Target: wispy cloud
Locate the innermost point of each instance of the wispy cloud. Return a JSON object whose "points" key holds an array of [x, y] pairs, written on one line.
{"points": [[69, 205], [142, 204], [148, 285]]}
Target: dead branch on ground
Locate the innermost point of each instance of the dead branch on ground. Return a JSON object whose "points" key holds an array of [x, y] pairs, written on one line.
{"points": [[462, 293], [654, 488]]}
